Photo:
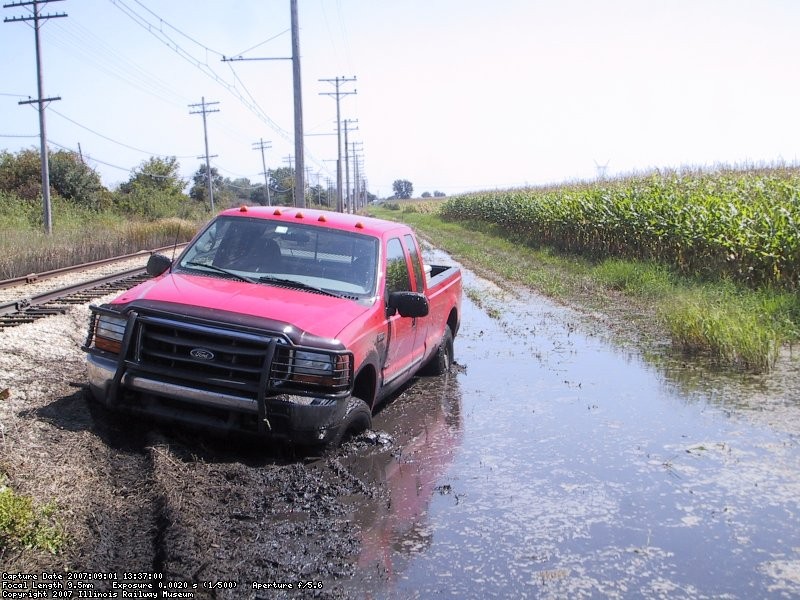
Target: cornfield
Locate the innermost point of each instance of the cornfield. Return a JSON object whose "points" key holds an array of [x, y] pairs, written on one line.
{"points": [[738, 224]]}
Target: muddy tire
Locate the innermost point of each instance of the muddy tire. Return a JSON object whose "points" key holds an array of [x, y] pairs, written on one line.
{"points": [[440, 362], [357, 418]]}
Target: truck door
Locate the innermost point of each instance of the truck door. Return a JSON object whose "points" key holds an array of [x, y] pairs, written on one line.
{"points": [[401, 330]]}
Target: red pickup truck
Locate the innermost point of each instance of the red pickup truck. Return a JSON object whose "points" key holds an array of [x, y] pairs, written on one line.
{"points": [[284, 323]]}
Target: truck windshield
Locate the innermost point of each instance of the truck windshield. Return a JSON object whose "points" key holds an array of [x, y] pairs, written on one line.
{"points": [[277, 253]]}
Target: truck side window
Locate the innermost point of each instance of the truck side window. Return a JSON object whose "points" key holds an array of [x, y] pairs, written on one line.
{"points": [[397, 279], [416, 263]]}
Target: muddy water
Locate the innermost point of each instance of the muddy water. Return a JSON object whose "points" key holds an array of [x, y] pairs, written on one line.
{"points": [[556, 463]]}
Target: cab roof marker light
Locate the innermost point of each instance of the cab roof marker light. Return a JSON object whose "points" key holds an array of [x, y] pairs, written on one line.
{"points": [[277, 212], [359, 225], [299, 215], [322, 219], [243, 208]]}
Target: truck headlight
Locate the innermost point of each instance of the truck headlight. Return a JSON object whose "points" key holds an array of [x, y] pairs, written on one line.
{"points": [[321, 369], [312, 363], [108, 333]]}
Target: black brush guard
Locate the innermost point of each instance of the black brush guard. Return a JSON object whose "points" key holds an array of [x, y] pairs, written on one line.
{"points": [[219, 357]]}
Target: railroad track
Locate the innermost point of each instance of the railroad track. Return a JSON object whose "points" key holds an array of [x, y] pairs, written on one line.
{"points": [[34, 277], [58, 301]]}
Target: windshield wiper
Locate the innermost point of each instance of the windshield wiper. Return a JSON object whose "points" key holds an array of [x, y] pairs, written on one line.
{"points": [[221, 270], [296, 284]]}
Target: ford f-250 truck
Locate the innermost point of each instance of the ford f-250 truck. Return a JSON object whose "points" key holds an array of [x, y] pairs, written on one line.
{"points": [[285, 323]]}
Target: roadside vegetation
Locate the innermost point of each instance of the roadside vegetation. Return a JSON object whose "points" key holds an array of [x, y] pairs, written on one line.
{"points": [[712, 258], [90, 222], [82, 237], [24, 525]]}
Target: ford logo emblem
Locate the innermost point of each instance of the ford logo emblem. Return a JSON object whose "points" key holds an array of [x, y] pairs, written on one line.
{"points": [[201, 354]]}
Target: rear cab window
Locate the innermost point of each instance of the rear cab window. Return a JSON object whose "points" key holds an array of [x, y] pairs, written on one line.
{"points": [[416, 261], [397, 275]]}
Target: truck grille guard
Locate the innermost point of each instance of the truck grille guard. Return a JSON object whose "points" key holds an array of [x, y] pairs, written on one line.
{"points": [[222, 357]]}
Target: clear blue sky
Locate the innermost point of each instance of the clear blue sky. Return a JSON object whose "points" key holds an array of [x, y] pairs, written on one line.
{"points": [[453, 95]]}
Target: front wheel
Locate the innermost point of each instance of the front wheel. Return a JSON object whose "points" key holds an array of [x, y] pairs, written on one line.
{"points": [[357, 418], [441, 361]]}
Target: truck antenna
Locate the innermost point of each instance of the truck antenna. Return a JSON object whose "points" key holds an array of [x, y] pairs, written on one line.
{"points": [[175, 245]]}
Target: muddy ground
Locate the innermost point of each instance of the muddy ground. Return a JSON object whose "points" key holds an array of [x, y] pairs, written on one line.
{"points": [[133, 498]]}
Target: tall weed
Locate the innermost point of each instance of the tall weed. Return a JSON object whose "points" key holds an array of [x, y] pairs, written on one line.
{"points": [[79, 235]]}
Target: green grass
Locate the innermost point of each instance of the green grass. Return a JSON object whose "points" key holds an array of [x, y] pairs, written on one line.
{"points": [[736, 325], [485, 250], [25, 525], [732, 328], [644, 279], [480, 299]]}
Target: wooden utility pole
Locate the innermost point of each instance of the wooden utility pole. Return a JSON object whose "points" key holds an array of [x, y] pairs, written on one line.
{"points": [[347, 196], [203, 110], [356, 179], [299, 152], [41, 100], [262, 145], [299, 162], [338, 81]]}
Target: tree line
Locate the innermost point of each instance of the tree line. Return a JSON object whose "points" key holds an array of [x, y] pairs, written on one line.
{"points": [[154, 188], [403, 190]]}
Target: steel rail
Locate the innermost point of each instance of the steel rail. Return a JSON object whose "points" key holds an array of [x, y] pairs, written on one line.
{"points": [[24, 304]]}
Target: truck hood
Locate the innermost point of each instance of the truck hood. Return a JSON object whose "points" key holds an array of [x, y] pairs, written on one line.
{"points": [[318, 314]]}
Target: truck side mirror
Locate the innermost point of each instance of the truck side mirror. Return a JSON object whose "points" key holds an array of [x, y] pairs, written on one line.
{"points": [[157, 264], [408, 304]]}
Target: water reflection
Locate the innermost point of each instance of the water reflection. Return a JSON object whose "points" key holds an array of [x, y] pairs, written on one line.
{"points": [[577, 468], [425, 424]]}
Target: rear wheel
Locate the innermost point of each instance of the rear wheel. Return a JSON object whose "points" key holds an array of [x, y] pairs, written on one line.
{"points": [[441, 361]]}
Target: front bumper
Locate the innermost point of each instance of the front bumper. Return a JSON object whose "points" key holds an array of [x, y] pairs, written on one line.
{"points": [[286, 417]]}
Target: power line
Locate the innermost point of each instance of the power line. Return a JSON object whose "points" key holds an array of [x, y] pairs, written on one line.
{"points": [[97, 160], [228, 184], [188, 37], [219, 167], [101, 55], [343, 29], [93, 50], [107, 59], [113, 166], [203, 66], [239, 54], [115, 141], [156, 30]]}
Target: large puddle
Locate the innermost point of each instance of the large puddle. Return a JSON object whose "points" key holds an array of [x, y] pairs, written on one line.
{"points": [[554, 463]]}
